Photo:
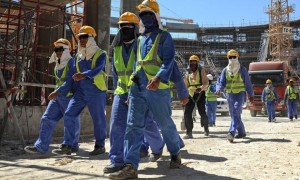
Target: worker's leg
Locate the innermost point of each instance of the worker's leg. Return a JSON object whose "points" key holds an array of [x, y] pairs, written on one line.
{"points": [[188, 119], [235, 102]]}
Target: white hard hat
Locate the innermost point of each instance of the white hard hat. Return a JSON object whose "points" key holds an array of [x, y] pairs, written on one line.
{"points": [[209, 77]]}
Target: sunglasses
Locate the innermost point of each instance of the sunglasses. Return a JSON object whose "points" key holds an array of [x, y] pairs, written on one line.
{"points": [[231, 57], [85, 36], [59, 49]]}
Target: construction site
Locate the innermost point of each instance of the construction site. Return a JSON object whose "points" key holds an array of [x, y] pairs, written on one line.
{"points": [[28, 29]]}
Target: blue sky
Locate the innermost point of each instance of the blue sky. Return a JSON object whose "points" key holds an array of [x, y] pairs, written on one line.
{"points": [[222, 12]]}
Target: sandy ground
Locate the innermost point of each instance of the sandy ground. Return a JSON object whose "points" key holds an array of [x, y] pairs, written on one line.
{"points": [[270, 151]]}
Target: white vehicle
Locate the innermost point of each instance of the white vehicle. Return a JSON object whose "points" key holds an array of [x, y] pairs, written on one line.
{"points": [[222, 105]]}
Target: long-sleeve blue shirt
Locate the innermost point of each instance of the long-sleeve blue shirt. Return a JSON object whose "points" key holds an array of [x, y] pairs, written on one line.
{"points": [[263, 95], [166, 52], [221, 84], [86, 85]]}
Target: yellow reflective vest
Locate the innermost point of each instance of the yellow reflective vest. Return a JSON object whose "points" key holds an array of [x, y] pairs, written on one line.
{"points": [[234, 84], [60, 80], [210, 96]]}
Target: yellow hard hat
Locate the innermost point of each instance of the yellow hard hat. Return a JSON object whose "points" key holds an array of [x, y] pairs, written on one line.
{"points": [[194, 58], [63, 41], [232, 52], [291, 80], [268, 81], [128, 17], [86, 30], [150, 5]]}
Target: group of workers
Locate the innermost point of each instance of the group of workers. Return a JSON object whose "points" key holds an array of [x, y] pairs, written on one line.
{"points": [[144, 69]]}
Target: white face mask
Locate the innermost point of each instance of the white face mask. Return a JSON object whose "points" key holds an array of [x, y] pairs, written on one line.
{"points": [[269, 85]]}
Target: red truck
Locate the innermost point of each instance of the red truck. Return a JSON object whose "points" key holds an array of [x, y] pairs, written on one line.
{"points": [[259, 72]]}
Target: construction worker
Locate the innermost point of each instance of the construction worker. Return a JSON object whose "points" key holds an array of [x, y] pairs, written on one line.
{"points": [[211, 101], [150, 91], [291, 96], [235, 79], [123, 63], [196, 81], [56, 108], [88, 72], [269, 97]]}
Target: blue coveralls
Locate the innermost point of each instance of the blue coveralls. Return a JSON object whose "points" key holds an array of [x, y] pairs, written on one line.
{"points": [[292, 104], [181, 89], [270, 103], [142, 100], [54, 112], [87, 94], [118, 122], [211, 106], [236, 100]]}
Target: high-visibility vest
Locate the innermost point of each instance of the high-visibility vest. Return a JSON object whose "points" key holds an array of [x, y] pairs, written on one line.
{"points": [[234, 84], [151, 62], [291, 93], [210, 96], [60, 80], [269, 95], [192, 86], [123, 71], [99, 80]]}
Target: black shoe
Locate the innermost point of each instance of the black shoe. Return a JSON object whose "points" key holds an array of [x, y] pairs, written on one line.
{"points": [[175, 161], [296, 117], [32, 150], [206, 132], [144, 154], [97, 150], [154, 157], [214, 124], [73, 150], [188, 136], [112, 168], [128, 172], [269, 120], [239, 136], [291, 119], [64, 149], [210, 125]]}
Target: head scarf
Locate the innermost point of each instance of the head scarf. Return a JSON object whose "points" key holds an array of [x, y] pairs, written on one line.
{"points": [[86, 53], [233, 66], [64, 59]]}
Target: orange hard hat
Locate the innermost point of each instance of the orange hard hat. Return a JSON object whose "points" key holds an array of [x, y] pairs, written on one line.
{"points": [[232, 52], [86, 30], [194, 58], [150, 5], [128, 17], [63, 41]]}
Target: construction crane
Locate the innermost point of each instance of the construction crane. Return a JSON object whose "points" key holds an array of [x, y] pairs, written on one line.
{"points": [[186, 21]]}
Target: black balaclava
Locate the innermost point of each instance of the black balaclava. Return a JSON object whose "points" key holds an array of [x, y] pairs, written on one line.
{"points": [[193, 67], [149, 21], [127, 34]]}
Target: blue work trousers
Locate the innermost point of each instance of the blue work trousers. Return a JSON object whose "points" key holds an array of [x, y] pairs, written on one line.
{"points": [[292, 106], [54, 112], [96, 105], [235, 104], [118, 122], [140, 102], [211, 108], [271, 109]]}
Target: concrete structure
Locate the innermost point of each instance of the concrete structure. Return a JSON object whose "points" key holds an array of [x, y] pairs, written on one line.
{"points": [[129, 5]]}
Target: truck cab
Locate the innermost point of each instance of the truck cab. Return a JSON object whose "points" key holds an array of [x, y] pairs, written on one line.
{"points": [[259, 72]]}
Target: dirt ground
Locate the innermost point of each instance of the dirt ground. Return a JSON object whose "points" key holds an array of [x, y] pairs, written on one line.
{"points": [[270, 151]]}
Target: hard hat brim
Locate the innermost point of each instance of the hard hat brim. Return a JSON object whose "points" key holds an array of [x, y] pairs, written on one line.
{"points": [[123, 22], [77, 36]]}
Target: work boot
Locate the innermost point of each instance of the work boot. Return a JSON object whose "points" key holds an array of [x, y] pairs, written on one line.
{"points": [[175, 161], [154, 157], [230, 137], [97, 150], [112, 168], [239, 136], [73, 150], [63, 150], [188, 135], [206, 132], [128, 172], [32, 150]]}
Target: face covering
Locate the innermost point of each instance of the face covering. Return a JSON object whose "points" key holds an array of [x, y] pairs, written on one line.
{"points": [[233, 66], [194, 67], [127, 34], [150, 23]]}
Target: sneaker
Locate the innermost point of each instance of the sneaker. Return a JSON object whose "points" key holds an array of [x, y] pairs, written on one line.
{"points": [[112, 168], [73, 150], [206, 132], [144, 154], [230, 137], [175, 161], [128, 172], [188, 136], [239, 136], [32, 150], [97, 150], [64, 149], [154, 157]]}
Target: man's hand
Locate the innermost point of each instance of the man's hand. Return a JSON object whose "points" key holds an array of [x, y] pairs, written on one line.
{"points": [[53, 95], [184, 101], [153, 83], [251, 99], [198, 90], [218, 93], [78, 76]]}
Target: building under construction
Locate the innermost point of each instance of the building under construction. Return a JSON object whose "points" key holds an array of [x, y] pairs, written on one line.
{"points": [[29, 27]]}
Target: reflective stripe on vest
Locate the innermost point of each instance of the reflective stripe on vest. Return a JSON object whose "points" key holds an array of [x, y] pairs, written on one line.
{"points": [[234, 84], [291, 93], [152, 62], [270, 96], [60, 80], [192, 86], [210, 96], [99, 80], [122, 71]]}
